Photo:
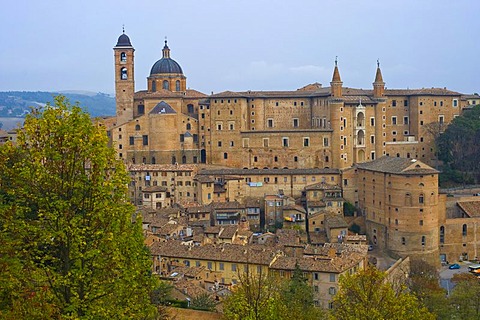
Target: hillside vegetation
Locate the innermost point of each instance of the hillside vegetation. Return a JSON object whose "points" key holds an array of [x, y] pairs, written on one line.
{"points": [[18, 103]]}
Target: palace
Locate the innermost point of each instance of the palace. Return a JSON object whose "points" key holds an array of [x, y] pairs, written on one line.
{"points": [[374, 148]]}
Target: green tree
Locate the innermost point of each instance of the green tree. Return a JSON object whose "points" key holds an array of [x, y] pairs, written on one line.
{"points": [[297, 296], [203, 302], [458, 147], [424, 283], [367, 295], [67, 235], [256, 297], [465, 298]]}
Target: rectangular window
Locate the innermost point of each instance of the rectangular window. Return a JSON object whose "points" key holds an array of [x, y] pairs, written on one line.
{"points": [[372, 155], [306, 142], [394, 103], [145, 140], [325, 142], [405, 103], [270, 123], [232, 144], [394, 120], [234, 267], [246, 142], [441, 119], [332, 277], [455, 102], [132, 140], [405, 120], [372, 122], [285, 142], [295, 123], [265, 142], [219, 143], [372, 139], [221, 266]]}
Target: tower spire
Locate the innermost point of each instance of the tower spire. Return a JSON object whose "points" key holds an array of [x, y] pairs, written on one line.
{"points": [[336, 82], [378, 84]]}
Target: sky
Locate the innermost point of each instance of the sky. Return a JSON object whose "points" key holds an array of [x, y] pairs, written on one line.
{"points": [[243, 44]]}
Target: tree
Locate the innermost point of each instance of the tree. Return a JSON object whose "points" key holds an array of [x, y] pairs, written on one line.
{"points": [[367, 295], [203, 301], [458, 147], [257, 297], [465, 298], [68, 237], [424, 284], [297, 295]]}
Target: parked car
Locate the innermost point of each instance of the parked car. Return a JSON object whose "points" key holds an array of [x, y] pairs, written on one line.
{"points": [[454, 266]]}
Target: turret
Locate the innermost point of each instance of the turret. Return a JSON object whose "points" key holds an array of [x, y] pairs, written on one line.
{"points": [[378, 85], [336, 83], [124, 78]]}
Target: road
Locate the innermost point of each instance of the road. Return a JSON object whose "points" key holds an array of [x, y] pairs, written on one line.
{"points": [[446, 275]]}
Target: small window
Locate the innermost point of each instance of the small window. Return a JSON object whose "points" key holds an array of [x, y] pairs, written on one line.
{"points": [[394, 120], [145, 140], [177, 85], [423, 240], [270, 123], [464, 230], [225, 155], [295, 123], [325, 142], [285, 142], [123, 74], [123, 57], [403, 241], [137, 127], [394, 103], [306, 142], [166, 85]]}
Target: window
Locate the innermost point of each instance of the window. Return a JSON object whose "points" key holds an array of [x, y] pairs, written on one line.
{"points": [[131, 140], [372, 121], [219, 126], [441, 119], [295, 123], [265, 142], [455, 103], [232, 144], [166, 85], [209, 265], [372, 155], [423, 240], [225, 155], [394, 103], [270, 123], [372, 139], [234, 267], [306, 142], [137, 127], [145, 140], [403, 241], [420, 222], [464, 230], [442, 234], [141, 109], [245, 142], [285, 142], [177, 85], [394, 120], [405, 103], [405, 119], [332, 277], [325, 142], [421, 198], [123, 74], [315, 276], [221, 266], [123, 57], [332, 290]]}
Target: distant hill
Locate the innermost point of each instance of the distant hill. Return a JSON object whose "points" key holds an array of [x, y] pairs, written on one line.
{"points": [[18, 103]]}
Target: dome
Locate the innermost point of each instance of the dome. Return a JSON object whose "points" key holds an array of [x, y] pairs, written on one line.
{"points": [[123, 41], [166, 64]]}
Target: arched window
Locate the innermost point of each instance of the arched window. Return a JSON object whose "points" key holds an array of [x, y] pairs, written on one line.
{"points": [[464, 230], [123, 74], [421, 198], [123, 57], [442, 234], [144, 160], [177, 85], [153, 160], [408, 199], [184, 159], [137, 127], [154, 86], [189, 126], [166, 85]]}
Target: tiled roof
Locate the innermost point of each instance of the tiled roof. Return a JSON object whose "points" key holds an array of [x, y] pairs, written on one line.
{"points": [[243, 172], [421, 92], [161, 167], [154, 189], [294, 207], [471, 208], [227, 205], [395, 165], [255, 254], [228, 232], [323, 186], [162, 93], [335, 221]]}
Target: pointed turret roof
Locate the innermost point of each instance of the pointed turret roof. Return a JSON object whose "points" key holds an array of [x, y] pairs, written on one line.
{"points": [[336, 73], [378, 75]]}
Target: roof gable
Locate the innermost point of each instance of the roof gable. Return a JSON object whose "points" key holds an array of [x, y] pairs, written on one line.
{"points": [[163, 108]]}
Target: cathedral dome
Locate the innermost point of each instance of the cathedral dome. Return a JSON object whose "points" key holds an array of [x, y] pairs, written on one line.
{"points": [[166, 64]]}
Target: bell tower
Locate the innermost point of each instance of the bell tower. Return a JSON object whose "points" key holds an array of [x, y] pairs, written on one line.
{"points": [[124, 78]]}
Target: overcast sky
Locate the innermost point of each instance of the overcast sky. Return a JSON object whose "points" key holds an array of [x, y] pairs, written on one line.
{"points": [[242, 45]]}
